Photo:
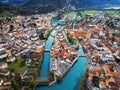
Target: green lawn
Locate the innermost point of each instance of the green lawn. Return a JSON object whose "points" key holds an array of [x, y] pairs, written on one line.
{"points": [[5, 13], [117, 35], [113, 12], [70, 13], [87, 12], [18, 65]]}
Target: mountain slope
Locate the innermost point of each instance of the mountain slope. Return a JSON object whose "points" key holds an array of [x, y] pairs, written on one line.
{"points": [[14, 2], [94, 3], [6, 9], [61, 3], [57, 4], [44, 6]]}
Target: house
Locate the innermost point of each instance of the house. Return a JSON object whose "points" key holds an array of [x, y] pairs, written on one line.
{"points": [[38, 49], [112, 83], [1, 81], [2, 53], [27, 78], [3, 65], [4, 72], [28, 61], [90, 76], [102, 85], [66, 54], [106, 57], [107, 70], [31, 70], [34, 37], [11, 59], [6, 82]]}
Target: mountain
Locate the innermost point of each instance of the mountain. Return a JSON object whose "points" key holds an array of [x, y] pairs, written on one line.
{"points": [[14, 2], [94, 3], [7, 9], [41, 6], [57, 4], [44, 6]]}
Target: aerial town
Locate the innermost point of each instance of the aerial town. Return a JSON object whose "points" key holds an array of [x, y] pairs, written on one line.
{"points": [[45, 49]]}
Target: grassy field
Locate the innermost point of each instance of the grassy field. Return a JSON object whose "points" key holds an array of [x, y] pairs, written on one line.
{"points": [[18, 65], [87, 12], [5, 13], [70, 13], [113, 12]]}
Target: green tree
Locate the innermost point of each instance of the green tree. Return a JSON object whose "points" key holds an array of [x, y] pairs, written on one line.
{"points": [[22, 63], [59, 78], [41, 36], [15, 85], [32, 84], [96, 81], [11, 27], [51, 76], [83, 83]]}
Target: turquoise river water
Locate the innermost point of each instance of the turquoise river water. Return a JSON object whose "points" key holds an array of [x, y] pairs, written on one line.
{"points": [[72, 79]]}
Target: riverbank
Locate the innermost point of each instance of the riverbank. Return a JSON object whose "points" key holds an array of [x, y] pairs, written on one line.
{"points": [[73, 70], [83, 85], [70, 81], [44, 71]]}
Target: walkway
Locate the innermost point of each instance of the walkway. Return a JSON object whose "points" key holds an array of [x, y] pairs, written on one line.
{"points": [[47, 50], [42, 82], [52, 36], [82, 55]]}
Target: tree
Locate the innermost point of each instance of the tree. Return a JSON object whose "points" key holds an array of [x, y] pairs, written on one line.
{"points": [[41, 36], [22, 63], [59, 78], [11, 27], [32, 84], [12, 70], [83, 82], [15, 85], [96, 81], [51, 76]]}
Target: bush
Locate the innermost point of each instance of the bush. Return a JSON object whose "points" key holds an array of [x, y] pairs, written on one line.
{"points": [[41, 36], [51, 76], [83, 83], [15, 85], [59, 78], [22, 63], [96, 81]]}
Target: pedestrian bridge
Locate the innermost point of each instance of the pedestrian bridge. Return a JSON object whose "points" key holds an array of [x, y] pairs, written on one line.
{"points": [[52, 36], [47, 50], [39, 83], [55, 29], [82, 55]]}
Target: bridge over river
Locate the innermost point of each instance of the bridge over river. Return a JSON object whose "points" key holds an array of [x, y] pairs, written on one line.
{"points": [[71, 80], [82, 55]]}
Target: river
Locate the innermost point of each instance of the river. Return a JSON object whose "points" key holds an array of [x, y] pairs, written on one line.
{"points": [[72, 79], [55, 20], [44, 72]]}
